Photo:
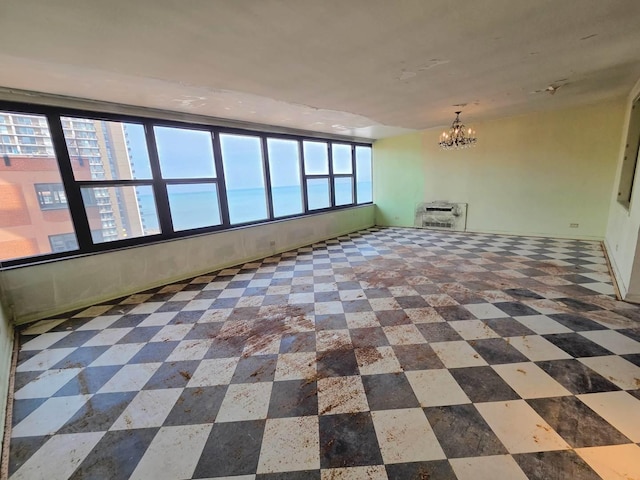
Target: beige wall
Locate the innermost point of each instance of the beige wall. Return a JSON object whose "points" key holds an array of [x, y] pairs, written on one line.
{"points": [[48, 289], [6, 348], [624, 223], [528, 175]]}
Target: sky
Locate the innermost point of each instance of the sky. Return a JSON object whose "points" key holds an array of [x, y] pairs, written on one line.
{"points": [[186, 153]]}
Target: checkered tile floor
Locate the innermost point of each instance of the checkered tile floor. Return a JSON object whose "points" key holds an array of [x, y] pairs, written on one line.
{"points": [[388, 353]]}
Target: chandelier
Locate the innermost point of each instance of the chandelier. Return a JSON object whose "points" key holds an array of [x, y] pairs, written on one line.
{"points": [[458, 136]]}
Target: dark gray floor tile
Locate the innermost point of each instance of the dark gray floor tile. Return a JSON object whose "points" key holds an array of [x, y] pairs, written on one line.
{"points": [[438, 332], [497, 351], [558, 465], [116, 455], [516, 309], [88, 380], [196, 406], [99, 413], [337, 363], [576, 345], [172, 375], [577, 323], [417, 357], [462, 432], [576, 423], [293, 398], [298, 342], [154, 352], [259, 368], [81, 357], [454, 312], [436, 470], [232, 448], [21, 449], [388, 391], [508, 327], [577, 377], [368, 337], [348, 440], [483, 384], [389, 318]]}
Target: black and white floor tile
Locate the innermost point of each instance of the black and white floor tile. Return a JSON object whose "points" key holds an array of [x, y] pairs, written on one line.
{"points": [[385, 354]]}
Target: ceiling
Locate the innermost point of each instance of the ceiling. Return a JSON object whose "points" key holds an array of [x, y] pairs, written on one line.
{"points": [[361, 68]]}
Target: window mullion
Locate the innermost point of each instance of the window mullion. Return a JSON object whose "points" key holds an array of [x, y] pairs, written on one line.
{"points": [[222, 186], [159, 184], [267, 176], [72, 189], [303, 174], [332, 193]]}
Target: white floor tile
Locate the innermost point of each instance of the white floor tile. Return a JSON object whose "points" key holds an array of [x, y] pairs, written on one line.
{"points": [[493, 467], [537, 348], [296, 366], [59, 457], [117, 354], [373, 472], [616, 369], [332, 340], [530, 381], [405, 435], [473, 329], [520, 428], [130, 378], [290, 444], [245, 401], [43, 341], [109, 336], [173, 453], [341, 395], [376, 360], [485, 311], [190, 350], [620, 409], [47, 383], [457, 354], [362, 320], [158, 319], [172, 333], [542, 325], [99, 323], [404, 335], [216, 371], [424, 315], [616, 462], [49, 417], [148, 409], [613, 341], [435, 388], [44, 360]]}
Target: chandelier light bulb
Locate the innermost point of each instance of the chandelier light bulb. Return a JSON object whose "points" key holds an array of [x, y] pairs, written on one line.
{"points": [[458, 137]]}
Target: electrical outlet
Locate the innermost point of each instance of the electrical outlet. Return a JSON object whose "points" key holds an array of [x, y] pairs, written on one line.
{"points": [[272, 243], [574, 225]]}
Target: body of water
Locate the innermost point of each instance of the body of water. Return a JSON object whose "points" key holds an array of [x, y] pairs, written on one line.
{"points": [[200, 209]]}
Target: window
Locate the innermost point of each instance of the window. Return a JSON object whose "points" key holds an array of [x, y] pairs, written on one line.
{"points": [[104, 152], [342, 158], [129, 181], [51, 195], [631, 153], [34, 202], [286, 179], [363, 174], [244, 177], [63, 242], [316, 169], [188, 154]]}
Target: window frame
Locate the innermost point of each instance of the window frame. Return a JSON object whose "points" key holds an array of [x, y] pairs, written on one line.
{"points": [[73, 187]]}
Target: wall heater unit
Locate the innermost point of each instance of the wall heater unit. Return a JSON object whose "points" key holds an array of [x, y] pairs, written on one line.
{"points": [[441, 215]]}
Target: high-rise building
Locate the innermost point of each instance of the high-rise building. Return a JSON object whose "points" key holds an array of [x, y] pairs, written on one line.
{"points": [[35, 214]]}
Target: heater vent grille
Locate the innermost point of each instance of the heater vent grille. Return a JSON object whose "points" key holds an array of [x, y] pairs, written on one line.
{"points": [[441, 215]]}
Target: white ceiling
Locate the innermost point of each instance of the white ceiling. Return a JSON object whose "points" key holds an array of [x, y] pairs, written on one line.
{"points": [[363, 68]]}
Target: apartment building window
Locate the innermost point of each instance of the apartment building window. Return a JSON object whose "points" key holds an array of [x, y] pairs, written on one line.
{"points": [[119, 204], [63, 242], [34, 200], [109, 181], [51, 195]]}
